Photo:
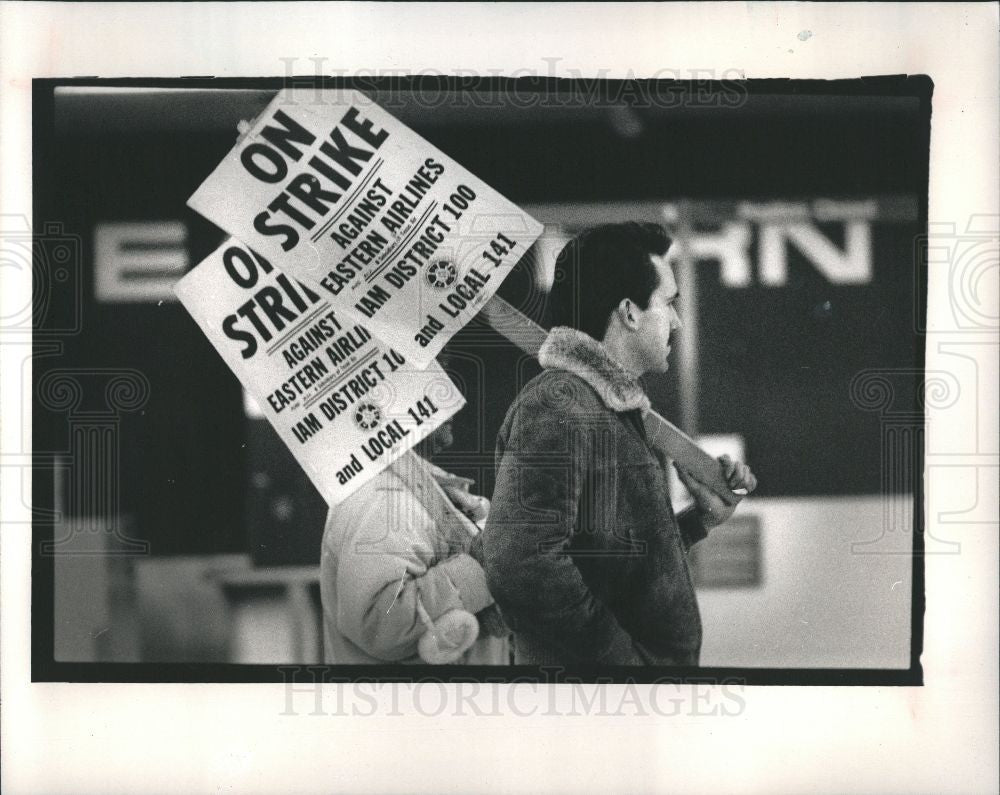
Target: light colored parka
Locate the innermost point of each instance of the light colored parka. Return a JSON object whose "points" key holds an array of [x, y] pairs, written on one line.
{"points": [[396, 543]]}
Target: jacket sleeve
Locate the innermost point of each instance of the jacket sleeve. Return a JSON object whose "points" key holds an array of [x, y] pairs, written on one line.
{"points": [[548, 458], [386, 562]]}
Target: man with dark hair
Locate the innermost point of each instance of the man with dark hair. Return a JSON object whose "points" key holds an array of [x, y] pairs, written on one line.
{"points": [[599, 268], [582, 550]]}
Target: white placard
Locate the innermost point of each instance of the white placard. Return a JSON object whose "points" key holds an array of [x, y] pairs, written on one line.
{"points": [[389, 229], [346, 404]]}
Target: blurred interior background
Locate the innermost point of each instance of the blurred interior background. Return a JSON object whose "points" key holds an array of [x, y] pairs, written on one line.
{"points": [[185, 531]]}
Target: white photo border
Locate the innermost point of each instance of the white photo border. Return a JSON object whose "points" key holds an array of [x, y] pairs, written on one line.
{"points": [[941, 737]]}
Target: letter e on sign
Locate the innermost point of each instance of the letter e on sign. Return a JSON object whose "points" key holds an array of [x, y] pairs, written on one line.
{"points": [[138, 261]]}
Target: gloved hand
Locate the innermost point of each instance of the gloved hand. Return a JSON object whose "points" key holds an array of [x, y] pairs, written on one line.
{"points": [[448, 638]]}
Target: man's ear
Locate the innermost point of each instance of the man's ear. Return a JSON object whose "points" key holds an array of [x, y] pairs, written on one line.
{"points": [[628, 314]]}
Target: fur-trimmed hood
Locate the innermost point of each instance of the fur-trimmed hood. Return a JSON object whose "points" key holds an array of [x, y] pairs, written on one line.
{"points": [[569, 349]]}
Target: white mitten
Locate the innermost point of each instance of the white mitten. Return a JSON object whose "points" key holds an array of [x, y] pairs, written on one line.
{"points": [[448, 638]]}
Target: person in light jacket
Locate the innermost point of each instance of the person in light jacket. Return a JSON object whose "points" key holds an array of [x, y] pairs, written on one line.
{"points": [[582, 549], [396, 580]]}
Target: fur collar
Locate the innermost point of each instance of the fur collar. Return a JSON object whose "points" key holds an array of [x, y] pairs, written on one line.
{"points": [[568, 349]]}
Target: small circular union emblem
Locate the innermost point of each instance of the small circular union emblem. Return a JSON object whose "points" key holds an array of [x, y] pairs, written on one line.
{"points": [[368, 417], [441, 274]]}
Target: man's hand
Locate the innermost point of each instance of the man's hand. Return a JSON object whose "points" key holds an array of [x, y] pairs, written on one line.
{"points": [[713, 509]]}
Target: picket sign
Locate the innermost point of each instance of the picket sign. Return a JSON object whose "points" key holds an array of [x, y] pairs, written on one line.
{"points": [[382, 224], [344, 402]]}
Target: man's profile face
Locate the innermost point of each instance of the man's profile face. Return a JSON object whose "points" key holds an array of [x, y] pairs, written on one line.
{"points": [[657, 321]]}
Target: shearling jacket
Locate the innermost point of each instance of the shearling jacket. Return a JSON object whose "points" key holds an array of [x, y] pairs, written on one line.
{"points": [[582, 550]]}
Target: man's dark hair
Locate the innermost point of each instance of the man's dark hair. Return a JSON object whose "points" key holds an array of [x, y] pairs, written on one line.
{"points": [[600, 267]]}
